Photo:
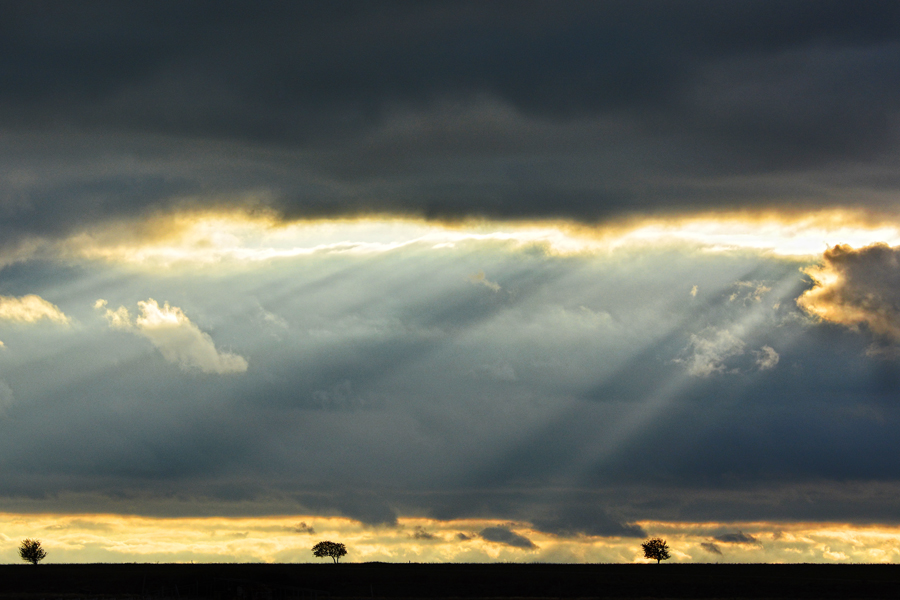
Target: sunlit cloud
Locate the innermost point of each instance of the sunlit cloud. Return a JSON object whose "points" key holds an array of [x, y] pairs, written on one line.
{"points": [[785, 234], [706, 354], [766, 358], [178, 339], [30, 309], [857, 288], [235, 237], [117, 319]]}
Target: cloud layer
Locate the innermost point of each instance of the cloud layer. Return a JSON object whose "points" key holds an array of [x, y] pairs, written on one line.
{"points": [[579, 111]]}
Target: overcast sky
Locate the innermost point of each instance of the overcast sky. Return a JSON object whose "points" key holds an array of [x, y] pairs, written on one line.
{"points": [[519, 280]]}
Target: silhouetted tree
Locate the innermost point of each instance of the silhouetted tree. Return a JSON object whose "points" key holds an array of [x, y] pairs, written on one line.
{"points": [[31, 551], [656, 548], [335, 550]]}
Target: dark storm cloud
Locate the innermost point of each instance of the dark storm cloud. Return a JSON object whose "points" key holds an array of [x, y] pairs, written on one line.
{"points": [[504, 535], [444, 109], [354, 58]]}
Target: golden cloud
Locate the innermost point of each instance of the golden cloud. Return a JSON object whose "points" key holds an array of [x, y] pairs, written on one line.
{"points": [[857, 288], [30, 309]]}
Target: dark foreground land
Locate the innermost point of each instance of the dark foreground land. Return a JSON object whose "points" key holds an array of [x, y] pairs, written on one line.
{"points": [[508, 581]]}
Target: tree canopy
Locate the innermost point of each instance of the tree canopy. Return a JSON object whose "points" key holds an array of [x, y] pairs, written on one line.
{"points": [[31, 551], [334, 550], [656, 548]]}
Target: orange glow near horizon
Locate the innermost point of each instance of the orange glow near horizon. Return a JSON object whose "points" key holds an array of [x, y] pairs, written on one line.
{"points": [[116, 538]]}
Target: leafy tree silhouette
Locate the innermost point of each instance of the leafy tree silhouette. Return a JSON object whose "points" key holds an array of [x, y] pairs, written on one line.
{"points": [[656, 548], [31, 551], [335, 550]]}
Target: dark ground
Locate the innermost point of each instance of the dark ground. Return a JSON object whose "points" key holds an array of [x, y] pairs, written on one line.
{"points": [[383, 580]]}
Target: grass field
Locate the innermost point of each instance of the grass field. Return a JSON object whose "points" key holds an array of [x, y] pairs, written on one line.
{"points": [[382, 580]]}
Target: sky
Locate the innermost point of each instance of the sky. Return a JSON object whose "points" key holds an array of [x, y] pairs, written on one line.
{"points": [[450, 281]]}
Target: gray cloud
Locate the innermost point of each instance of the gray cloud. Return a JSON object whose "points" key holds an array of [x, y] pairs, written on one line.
{"points": [[302, 527], [736, 538], [766, 357], [711, 548], [585, 520], [504, 535], [367, 508], [419, 533]]}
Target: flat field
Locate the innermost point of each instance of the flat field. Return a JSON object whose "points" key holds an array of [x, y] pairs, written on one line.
{"points": [[386, 580]]}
